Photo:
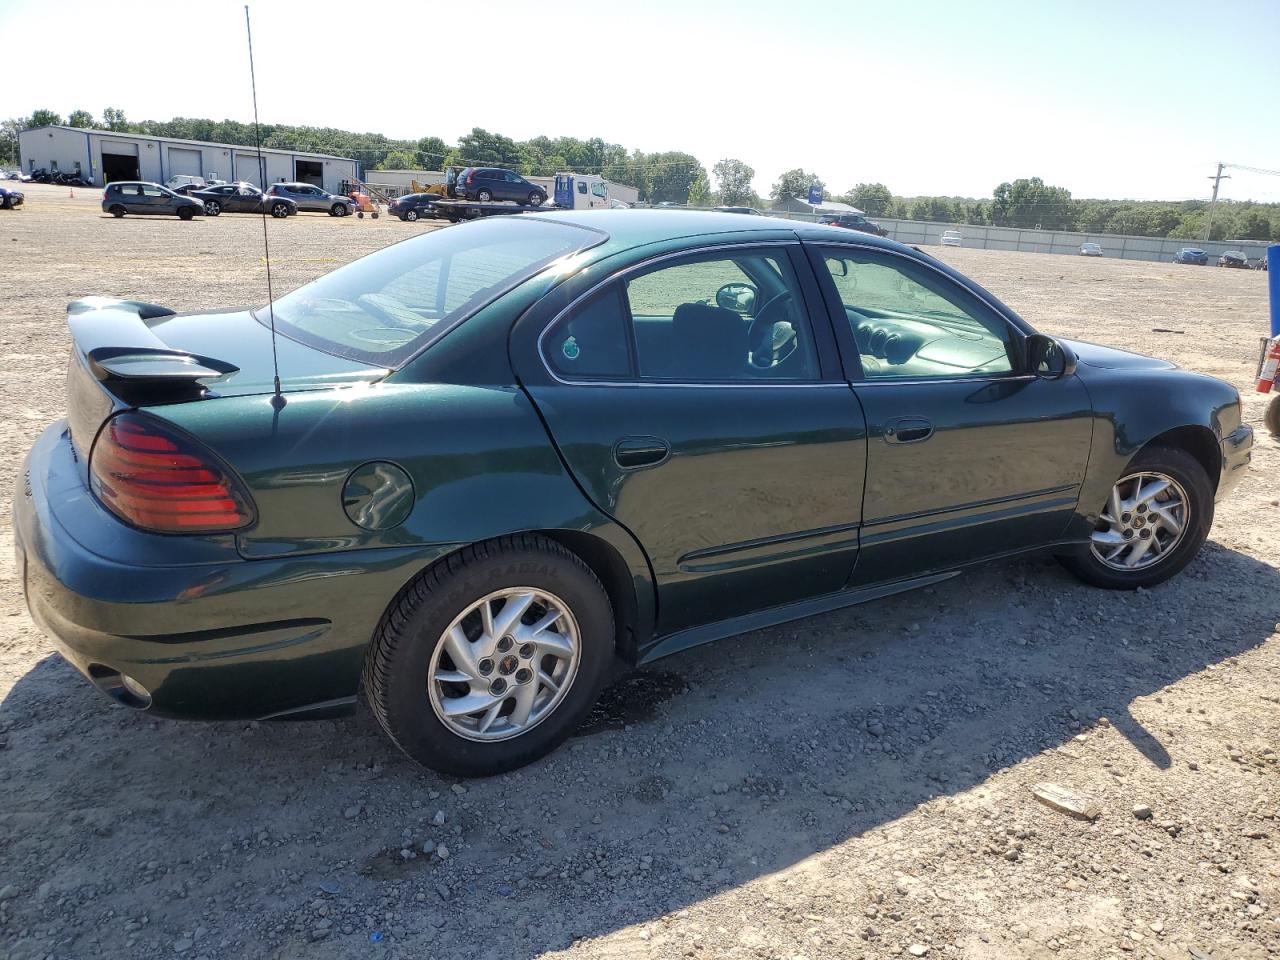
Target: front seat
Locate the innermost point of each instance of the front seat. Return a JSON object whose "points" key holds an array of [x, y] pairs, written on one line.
{"points": [[708, 342]]}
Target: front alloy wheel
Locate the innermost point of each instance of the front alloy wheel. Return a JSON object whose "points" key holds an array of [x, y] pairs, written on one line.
{"points": [[1155, 519], [1143, 523]]}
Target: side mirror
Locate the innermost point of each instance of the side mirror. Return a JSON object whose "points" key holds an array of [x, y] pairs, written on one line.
{"points": [[738, 297], [1049, 358]]}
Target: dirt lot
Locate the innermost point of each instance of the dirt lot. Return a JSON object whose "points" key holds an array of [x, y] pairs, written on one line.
{"points": [[723, 804]]}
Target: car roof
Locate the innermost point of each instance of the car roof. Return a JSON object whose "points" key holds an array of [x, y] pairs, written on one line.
{"points": [[630, 228]]}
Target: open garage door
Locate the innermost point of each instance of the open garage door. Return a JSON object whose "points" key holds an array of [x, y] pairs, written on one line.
{"points": [[247, 168], [184, 163], [119, 162], [309, 171]]}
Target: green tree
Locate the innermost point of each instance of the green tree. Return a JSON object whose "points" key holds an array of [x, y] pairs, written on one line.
{"points": [[872, 198], [80, 118], [431, 152], [45, 118], [734, 178], [1032, 203], [1254, 225], [670, 175], [114, 119], [398, 160], [794, 183], [700, 192], [9, 130], [481, 148]]}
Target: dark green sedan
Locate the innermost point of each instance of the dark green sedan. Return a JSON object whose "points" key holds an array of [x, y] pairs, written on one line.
{"points": [[503, 454]]}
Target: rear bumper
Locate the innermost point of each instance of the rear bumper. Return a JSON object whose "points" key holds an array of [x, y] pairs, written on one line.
{"points": [[208, 635], [1237, 452]]}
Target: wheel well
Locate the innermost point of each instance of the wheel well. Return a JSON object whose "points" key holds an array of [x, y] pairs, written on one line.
{"points": [[607, 564], [1197, 441]]}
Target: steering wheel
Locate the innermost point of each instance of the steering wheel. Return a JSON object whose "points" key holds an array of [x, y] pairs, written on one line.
{"points": [[760, 335]]}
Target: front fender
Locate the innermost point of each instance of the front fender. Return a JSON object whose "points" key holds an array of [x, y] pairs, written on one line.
{"points": [[1133, 407]]}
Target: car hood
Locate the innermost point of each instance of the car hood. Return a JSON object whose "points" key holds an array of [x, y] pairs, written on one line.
{"points": [[1108, 358]]}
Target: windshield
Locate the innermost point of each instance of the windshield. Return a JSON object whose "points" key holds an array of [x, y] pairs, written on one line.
{"points": [[387, 306]]}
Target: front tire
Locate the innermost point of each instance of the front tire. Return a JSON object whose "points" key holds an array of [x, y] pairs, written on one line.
{"points": [[536, 198], [279, 210], [1154, 523], [185, 213], [212, 208], [492, 657], [484, 196], [410, 215], [338, 210]]}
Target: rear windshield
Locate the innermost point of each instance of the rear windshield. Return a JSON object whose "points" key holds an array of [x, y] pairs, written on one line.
{"points": [[384, 308]]}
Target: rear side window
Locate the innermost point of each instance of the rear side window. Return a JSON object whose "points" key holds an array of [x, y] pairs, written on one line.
{"points": [[593, 342], [705, 319], [582, 186], [387, 306]]}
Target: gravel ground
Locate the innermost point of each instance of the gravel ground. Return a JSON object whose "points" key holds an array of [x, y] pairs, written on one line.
{"points": [[852, 785]]}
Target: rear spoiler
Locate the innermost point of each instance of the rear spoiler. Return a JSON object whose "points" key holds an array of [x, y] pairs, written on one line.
{"points": [[122, 352]]}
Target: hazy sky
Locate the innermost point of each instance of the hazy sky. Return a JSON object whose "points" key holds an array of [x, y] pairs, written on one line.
{"points": [[1108, 99]]}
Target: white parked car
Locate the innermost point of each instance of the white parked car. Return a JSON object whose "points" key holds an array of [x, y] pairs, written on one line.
{"points": [[1090, 249], [951, 238]]}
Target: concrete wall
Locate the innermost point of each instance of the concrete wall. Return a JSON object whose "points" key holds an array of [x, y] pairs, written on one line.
{"points": [[918, 233], [45, 146]]}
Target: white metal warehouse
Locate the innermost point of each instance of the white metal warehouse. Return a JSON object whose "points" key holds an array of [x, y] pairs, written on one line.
{"points": [[101, 156]]}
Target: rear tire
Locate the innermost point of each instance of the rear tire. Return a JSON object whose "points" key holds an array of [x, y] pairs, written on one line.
{"points": [[116, 211], [418, 690], [1186, 471]]}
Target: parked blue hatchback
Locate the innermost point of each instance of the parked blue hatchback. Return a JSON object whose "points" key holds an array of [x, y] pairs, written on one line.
{"points": [[1191, 255]]}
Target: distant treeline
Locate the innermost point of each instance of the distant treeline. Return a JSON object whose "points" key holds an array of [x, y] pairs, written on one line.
{"points": [[1032, 203], [678, 177]]}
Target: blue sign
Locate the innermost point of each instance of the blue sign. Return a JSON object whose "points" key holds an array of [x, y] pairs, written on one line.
{"points": [[815, 194]]}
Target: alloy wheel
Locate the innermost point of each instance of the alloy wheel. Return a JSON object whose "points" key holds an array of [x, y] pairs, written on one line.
{"points": [[1144, 520], [505, 664]]}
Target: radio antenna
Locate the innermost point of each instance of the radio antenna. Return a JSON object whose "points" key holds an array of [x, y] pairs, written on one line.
{"points": [[277, 400]]}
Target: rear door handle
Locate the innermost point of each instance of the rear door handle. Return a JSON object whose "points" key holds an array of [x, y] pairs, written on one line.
{"points": [[632, 452], [908, 430]]}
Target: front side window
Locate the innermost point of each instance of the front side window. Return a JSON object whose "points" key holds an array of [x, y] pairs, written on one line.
{"points": [[384, 307], [910, 321], [706, 319], [598, 189], [151, 191]]}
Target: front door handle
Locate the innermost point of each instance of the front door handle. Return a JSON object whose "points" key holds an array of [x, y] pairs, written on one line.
{"points": [[632, 452], [908, 430]]}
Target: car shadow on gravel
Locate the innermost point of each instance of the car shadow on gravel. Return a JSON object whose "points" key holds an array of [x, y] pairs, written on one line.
{"points": [[319, 840]]}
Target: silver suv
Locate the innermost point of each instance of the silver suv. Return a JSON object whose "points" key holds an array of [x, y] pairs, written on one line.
{"points": [[310, 197], [133, 196]]}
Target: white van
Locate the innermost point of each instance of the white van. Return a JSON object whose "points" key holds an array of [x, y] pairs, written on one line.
{"points": [[584, 191]]}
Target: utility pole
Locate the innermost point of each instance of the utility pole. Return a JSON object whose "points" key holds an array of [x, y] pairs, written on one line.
{"points": [[1213, 202]]}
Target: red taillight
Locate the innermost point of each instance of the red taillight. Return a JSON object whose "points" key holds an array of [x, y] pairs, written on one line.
{"points": [[104, 194], [470, 177], [156, 479]]}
